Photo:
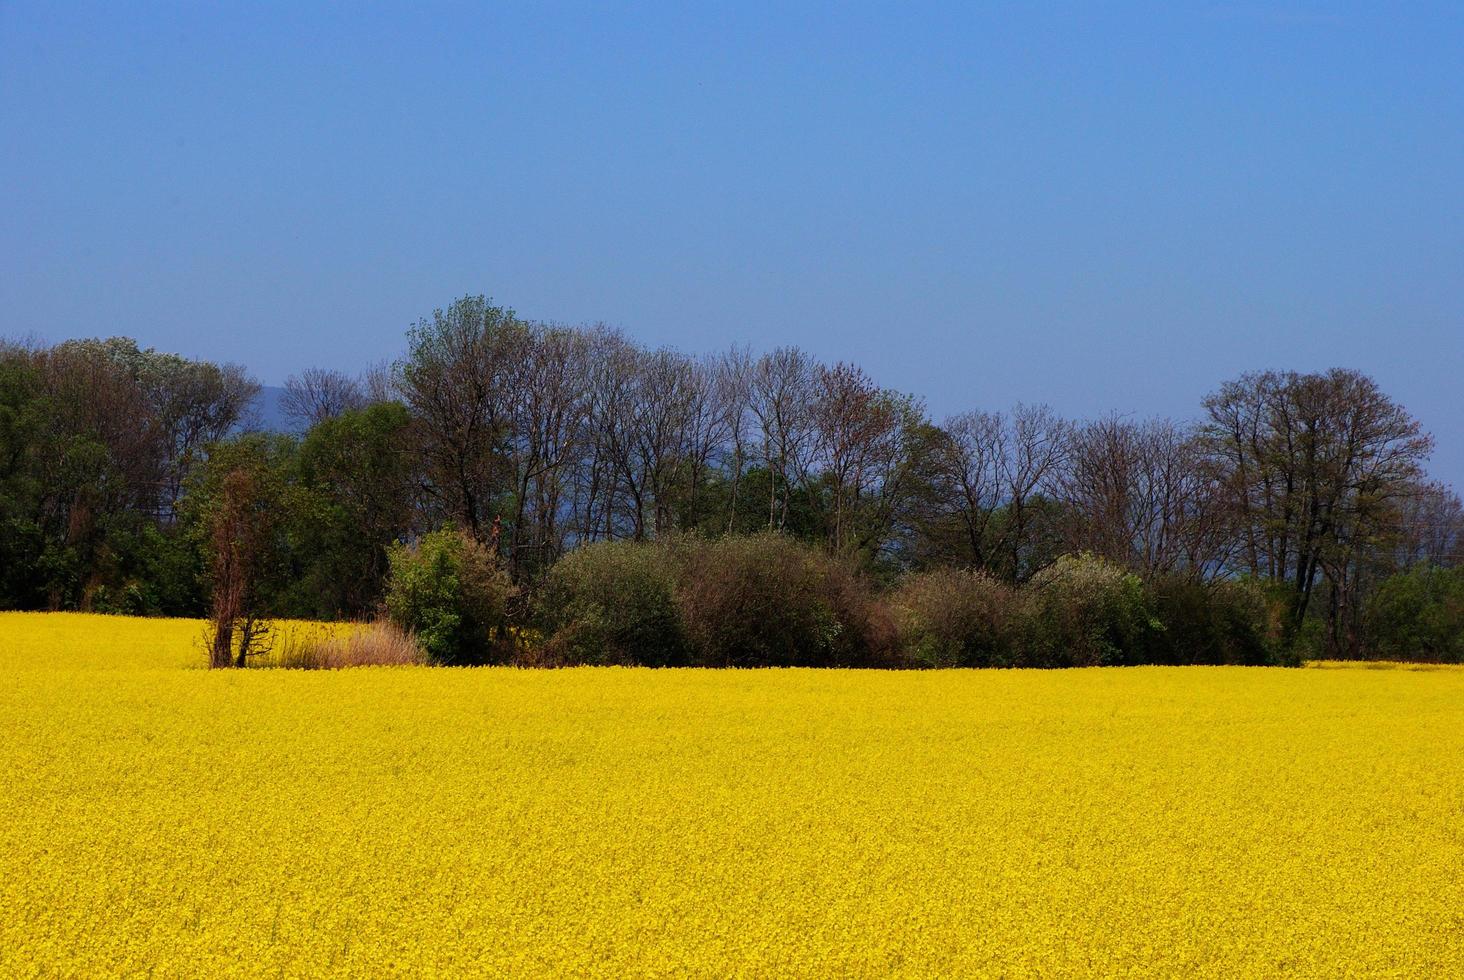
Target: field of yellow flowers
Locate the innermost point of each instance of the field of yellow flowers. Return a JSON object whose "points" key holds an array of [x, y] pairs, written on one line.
{"points": [[159, 818]]}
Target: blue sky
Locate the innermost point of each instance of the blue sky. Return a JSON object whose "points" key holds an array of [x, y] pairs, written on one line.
{"points": [[1104, 207]]}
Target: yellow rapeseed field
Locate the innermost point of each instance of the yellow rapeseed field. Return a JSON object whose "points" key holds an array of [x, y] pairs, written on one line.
{"points": [[157, 819]]}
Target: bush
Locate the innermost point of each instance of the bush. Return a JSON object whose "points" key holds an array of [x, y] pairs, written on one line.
{"points": [[1083, 611], [766, 600], [952, 618], [1292, 644], [866, 633], [1210, 623], [451, 593], [1417, 615], [613, 602]]}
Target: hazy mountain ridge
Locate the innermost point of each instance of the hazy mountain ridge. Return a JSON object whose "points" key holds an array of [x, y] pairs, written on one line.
{"points": [[267, 412]]}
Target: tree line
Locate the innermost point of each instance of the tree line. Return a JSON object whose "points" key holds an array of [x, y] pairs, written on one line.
{"points": [[134, 481]]}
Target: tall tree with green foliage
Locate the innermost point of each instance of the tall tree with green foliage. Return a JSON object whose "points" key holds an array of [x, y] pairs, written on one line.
{"points": [[355, 470], [459, 380]]}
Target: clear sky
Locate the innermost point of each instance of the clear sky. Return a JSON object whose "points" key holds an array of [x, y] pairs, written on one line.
{"points": [[1103, 206]]}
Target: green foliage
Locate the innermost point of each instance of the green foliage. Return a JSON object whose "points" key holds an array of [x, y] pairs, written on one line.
{"points": [[1220, 622], [614, 602], [458, 379], [121, 487], [449, 592], [97, 438], [740, 506], [22, 539], [358, 474], [1083, 611], [955, 618], [1293, 643], [336, 500], [160, 573], [1418, 615], [239, 510]]}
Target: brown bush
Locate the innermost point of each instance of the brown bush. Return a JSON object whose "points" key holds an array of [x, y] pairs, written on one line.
{"points": [[766, 600], [869, 637], [953, 618]]}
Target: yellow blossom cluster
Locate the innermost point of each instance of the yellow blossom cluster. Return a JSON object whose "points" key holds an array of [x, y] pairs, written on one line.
{"points": [[1201, 821]]}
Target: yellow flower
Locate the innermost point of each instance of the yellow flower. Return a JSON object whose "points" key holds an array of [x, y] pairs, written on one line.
{"points": [[627, 822]]}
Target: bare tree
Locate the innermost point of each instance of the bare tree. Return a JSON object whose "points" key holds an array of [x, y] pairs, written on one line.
{"points": [[970, 454], [1036, 451], [1429, 527], [860, 434], [781, 392], [196, 404], [733, 373], [998, 477], [712, 411], [1310, 464], [241, 502], [379, 383], [606, 443], [1139, 494], [550, 414], [669, 395], [316, 394]]}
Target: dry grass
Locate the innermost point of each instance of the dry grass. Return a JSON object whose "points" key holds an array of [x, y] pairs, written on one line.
{"points": [[379, 644]]}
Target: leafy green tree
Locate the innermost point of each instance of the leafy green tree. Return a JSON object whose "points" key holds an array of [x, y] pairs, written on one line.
{"points": [[22, 541], [1215, 622], [357, 470], [459, 381], [1418, 615], [96, 437]]}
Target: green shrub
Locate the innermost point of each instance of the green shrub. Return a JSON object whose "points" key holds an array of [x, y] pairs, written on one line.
{"points": [[953, 618], [451, 593], [1083, 611], [1417, 615], [1221, 622], [613, 602], [766, 600]]}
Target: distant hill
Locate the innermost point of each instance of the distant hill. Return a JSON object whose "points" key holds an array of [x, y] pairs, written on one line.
{"points": [[268, 414]]}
